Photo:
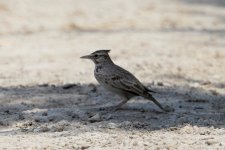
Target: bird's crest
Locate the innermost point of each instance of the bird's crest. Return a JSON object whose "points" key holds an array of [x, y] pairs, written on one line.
{"points": [[101, 52]]}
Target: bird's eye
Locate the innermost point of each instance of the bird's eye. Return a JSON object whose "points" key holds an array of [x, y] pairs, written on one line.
{"points": [[95, 55]]}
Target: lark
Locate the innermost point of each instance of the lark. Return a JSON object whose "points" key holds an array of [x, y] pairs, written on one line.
{"points": [[118, 80]]}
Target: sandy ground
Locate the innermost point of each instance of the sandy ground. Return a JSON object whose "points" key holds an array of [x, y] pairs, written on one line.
{"points": [[48, 94]]}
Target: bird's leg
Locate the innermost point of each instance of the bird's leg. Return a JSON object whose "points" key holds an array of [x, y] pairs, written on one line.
{"points": [[115, 108], [107, 114]]}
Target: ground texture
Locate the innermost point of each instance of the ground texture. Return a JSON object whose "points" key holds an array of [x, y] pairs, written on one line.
{"points": [[48, 94]]}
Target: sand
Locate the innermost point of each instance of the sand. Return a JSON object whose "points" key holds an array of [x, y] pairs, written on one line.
{"points": [[48, 94]]}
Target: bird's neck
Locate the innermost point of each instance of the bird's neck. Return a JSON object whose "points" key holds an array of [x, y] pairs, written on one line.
{"points": [[106, 62]]}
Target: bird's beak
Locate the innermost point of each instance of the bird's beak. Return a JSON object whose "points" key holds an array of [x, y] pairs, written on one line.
{"points": [[86, 57]]}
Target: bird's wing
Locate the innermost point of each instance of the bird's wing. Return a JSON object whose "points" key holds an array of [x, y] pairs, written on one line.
{"points": [[124, 80], [125, 85]]}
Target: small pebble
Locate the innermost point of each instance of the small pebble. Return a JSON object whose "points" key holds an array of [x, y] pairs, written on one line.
{"points": [[198, 107], [214, 92], [112, 125], [93, 88], [160, 84], [68, 86], [211, 142], [44, 114], [84, 147], [43, 85], [95, 118]]}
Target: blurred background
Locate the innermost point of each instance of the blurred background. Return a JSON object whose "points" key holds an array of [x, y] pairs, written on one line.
{"points": [[47, 93], [164, 40]]}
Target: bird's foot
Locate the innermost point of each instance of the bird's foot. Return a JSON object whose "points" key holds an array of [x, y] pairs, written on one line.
{"points": [[96, 118], [100, 117]]}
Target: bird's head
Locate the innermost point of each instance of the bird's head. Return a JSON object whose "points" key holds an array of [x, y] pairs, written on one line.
{"points": [[99, 56]]}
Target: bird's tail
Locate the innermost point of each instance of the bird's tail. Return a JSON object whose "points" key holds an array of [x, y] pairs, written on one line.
{"points": [[150, 97]]}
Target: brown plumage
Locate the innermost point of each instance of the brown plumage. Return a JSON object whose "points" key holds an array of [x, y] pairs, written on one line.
{"points": [[118, 80]]}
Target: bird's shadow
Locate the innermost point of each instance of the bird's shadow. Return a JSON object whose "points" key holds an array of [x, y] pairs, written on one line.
{"points": [[43, 104]]}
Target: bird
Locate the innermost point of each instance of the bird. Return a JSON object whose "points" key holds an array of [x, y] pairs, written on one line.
{"points": [[118, 80]]}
